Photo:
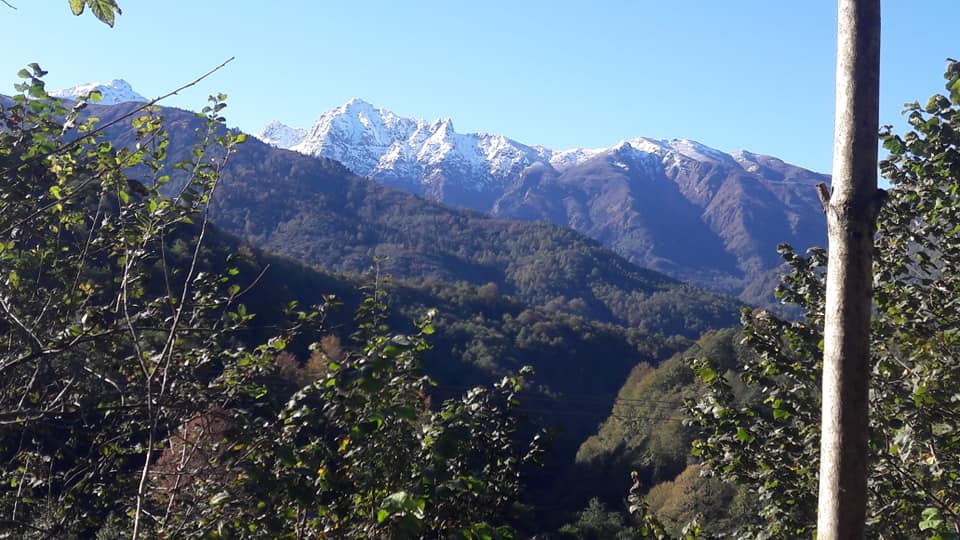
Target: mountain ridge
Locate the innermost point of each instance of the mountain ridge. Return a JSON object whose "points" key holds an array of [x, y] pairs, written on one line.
{"points": [[677, 206], [315, 210]]}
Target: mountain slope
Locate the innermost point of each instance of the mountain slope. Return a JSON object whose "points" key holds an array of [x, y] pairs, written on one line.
{"points": [[316, 211], [677, 206], [713, 220]]}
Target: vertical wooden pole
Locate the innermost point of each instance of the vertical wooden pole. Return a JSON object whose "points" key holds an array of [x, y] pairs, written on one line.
{"points": [[851, 220]]}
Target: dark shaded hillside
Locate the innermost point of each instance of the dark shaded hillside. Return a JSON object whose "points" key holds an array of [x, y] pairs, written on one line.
{"points": [[312, 211], [481, 336]]}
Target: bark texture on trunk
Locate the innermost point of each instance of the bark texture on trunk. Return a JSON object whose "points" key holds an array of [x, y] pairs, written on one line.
{"points": [[851, 220]]}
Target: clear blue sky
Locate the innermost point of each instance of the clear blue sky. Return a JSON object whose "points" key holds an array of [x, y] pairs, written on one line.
{"points": [[731, 74]]}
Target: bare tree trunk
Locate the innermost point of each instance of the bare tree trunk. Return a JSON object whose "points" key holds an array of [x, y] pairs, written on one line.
{"points": [[851, 219]]}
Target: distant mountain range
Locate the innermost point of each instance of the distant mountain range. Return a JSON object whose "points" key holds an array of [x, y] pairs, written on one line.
{"points": [[676, 206], [318, 212], [509, 292]]}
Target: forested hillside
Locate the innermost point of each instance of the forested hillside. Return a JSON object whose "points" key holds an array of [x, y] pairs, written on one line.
{"points": [[315, 211], [143, 397]]}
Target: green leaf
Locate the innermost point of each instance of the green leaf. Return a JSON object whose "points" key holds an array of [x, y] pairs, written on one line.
{"points": [[403, 502], [893, 145], [37, 72], [76, 6], [941, 429], [36, 90], [105, 10], [707, 374], [219, 498], [931, 519]]}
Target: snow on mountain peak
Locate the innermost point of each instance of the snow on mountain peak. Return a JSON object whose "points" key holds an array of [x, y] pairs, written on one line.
{"points": [[113, 92], [356, 103], [281, 135], [411, 152], [700, 152], [379, 143]]}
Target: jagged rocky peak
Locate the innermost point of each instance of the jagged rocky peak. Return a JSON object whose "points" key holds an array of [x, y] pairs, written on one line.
{"points": [[376, 142], [414, 154], [113, 92]]}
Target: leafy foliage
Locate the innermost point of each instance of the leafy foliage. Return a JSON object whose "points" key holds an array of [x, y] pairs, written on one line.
{"points": [[596, 522], [644, 431], [771, 442], [132, 403], [361, 455], [105, 10], [693, 497], [108, 347]]}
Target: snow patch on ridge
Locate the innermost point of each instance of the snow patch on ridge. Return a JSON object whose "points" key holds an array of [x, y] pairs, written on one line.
{"points": [[412, 152], [281, 135], [113, 92]]}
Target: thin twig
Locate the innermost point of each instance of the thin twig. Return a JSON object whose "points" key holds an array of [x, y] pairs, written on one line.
{"points": [[37, 344], [253, 283], [166, 354]]}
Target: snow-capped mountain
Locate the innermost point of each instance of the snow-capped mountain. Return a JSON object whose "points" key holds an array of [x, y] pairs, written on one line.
{"points": [[428, 158], [425, 157], [676, 205], [113, 92]]}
